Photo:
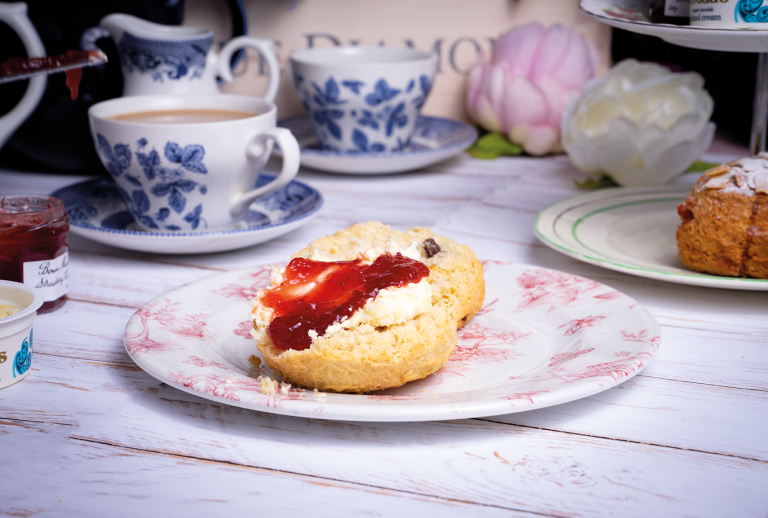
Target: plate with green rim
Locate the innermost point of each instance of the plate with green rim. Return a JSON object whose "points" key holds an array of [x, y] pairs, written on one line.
{"points": [[630, 230]]}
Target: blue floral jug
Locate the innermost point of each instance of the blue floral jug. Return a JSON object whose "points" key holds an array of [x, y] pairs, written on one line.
{"points": [[165, 59]]}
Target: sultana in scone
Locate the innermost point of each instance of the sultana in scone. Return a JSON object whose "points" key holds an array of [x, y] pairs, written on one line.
{"points": [[724, 229], [402, 334]]}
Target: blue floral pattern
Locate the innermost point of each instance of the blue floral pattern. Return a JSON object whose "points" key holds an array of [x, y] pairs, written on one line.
{"points": [[172, 60], [752, 11], [23, 360], [107, 207], [161, 181], [382, 111]]}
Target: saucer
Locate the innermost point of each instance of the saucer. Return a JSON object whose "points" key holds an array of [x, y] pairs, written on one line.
{"points": [[97, 211], [434, 140]]}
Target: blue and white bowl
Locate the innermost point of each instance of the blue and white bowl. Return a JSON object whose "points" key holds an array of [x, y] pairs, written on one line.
{"points": [[363, 99]]}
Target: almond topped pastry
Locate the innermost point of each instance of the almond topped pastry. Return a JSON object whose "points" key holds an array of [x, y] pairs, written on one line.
{"points": [[724, 229]]}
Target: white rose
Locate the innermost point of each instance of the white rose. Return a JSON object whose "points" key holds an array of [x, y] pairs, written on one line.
{"points": [[641, 124]]}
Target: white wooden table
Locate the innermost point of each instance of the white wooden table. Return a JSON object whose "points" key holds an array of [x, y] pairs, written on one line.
{"points": [[90, 434]]}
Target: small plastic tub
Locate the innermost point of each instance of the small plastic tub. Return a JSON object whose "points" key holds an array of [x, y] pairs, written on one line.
{"points": [[16, 331]]}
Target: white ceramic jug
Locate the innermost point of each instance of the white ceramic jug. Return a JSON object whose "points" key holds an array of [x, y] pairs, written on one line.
{"points": [[167, 59], [15, 15]]}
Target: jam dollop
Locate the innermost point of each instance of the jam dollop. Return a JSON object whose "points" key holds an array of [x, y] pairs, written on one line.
{"points": [[340, 288]]}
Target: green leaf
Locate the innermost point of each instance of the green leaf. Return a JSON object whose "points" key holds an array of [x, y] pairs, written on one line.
{"points": [[493, 145], [698, 167], [596, 183]]}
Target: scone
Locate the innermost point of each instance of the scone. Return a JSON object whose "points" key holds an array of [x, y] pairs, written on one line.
{"points": [[724, 229], [400, 333]]}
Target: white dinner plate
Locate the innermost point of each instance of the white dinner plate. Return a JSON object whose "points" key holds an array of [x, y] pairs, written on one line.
{"points": [[630, 230], [632, 15], [97, 211], [434, 140], [542, 338]]}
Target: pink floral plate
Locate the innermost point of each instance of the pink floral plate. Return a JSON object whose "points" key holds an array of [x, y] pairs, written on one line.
{"points": [[542, 338]]}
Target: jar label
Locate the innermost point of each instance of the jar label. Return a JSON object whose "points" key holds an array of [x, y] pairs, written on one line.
{"points": [[51, 276], [676, 8]]}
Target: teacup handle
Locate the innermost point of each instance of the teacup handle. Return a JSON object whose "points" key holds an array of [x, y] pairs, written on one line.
{"points": [[15, 15], [255, 151], [264, 47]]}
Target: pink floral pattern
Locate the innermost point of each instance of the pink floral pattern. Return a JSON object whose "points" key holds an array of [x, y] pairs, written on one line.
{"points": [[600, 373], [244, 329], [476, 343], [259, 279], [388, 398], [578, 324], [561, 358], [504, 341], [200, 362], [166, 315], [643, 337], [524, 396], [541, 287]]}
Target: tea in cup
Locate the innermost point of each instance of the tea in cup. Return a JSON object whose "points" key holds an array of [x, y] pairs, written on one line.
{"points": [[363, 99], [190, 162]]}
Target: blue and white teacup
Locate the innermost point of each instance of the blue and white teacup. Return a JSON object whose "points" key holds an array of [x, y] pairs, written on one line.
{"points": [[363, 99], [176, 171], [171, 59]]}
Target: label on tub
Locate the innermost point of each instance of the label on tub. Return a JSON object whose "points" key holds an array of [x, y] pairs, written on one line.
{"points": [[49, 276]]}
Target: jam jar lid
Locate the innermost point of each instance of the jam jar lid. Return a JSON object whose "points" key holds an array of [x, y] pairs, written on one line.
{"points": [[30, 210]]}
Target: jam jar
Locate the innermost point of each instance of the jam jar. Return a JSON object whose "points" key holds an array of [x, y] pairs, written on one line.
{"points": [[33, 245]]}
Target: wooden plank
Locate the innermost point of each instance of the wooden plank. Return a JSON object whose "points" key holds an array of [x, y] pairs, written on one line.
{"points": [[84, 330], [509, 466], [725, 359], [125, 282], [656, 411], [71, 477]]}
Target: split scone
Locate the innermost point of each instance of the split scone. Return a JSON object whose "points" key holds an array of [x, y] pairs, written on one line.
{"points": [[367, 308], [724, 229]]}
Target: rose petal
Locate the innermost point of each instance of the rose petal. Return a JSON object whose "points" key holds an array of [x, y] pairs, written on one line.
{"points": [[523, 103], [518, 48]]}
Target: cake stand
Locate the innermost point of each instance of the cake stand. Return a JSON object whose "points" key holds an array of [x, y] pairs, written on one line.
{"points": [[633, 16]]}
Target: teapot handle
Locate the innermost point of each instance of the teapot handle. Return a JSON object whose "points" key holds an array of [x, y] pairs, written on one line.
{"points": [[15, 16], [264, 47]]}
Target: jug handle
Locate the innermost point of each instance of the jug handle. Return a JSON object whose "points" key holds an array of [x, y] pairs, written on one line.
{"points": [[15, 15], [264, 47]]}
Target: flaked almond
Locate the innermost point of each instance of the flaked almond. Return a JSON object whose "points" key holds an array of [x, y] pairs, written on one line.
{"points": [[718, 182], [741, 179], [717, 171], [761, 183]]}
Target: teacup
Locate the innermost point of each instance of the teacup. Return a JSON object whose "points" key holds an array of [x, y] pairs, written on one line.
{"points": [[190, 162], [169, 59], [363, 99]]}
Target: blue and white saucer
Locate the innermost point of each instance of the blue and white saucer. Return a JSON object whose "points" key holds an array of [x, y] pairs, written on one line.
{"points": [[434, 140], [97, 211]]}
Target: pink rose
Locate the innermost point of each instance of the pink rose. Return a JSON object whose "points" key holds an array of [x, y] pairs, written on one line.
{"points": [[533, 74]]}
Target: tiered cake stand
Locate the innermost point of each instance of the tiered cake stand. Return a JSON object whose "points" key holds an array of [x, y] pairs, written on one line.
{"points": [[633, 16]]}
